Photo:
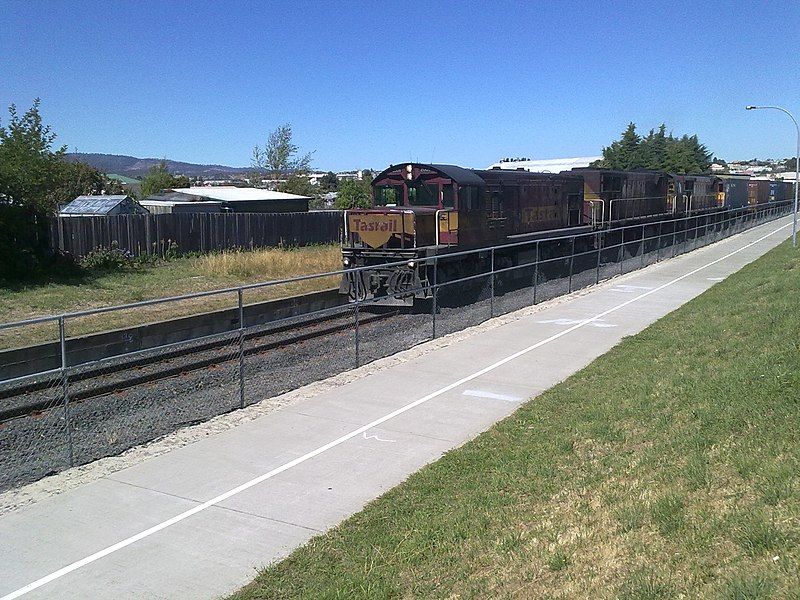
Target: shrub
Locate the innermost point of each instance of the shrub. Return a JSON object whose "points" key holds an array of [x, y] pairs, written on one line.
{"points": [[108, 259]]}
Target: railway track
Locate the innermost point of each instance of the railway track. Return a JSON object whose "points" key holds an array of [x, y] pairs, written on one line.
{"points": [[98, 381]]}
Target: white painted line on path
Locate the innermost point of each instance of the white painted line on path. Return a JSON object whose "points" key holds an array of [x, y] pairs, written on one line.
{"points": [[715, 278], [491, 395], [599, 323], [356, 432]]}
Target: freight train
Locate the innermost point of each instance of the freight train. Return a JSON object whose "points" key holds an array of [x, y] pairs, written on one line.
{"points": [[424, 210]]}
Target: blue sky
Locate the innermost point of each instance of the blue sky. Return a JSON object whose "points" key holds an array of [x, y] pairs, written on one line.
{"points": [[366, 84]]}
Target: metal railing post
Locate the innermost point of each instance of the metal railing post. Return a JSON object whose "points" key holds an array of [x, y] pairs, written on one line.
{"points": [[65, 389], [599, 253], [435, 294], [491, 300], [571, 261], [642, 238], [658, 250], [536, 273], [674, 232], [241, 348], [358, 361], [621, 252]]}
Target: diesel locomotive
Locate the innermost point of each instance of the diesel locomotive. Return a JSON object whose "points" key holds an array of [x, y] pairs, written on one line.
{"points": [[424, 210]]}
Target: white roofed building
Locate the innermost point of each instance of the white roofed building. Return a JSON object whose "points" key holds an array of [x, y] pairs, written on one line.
{"points": [[547, 165], [225, 199]]}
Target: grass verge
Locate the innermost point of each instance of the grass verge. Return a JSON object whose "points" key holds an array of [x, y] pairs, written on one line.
{"points": [[94, 289], [667, 468]]}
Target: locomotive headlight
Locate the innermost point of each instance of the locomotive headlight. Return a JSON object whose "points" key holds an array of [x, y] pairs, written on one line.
{"points": [[346, 261], [409, 168], [412, 264]]}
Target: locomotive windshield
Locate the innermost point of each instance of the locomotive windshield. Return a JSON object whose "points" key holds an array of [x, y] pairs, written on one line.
{"points": [[388, 195], [419, 194], [422, 194]]}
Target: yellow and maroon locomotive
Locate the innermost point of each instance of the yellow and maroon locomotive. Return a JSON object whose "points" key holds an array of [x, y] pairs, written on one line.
{"points": [[425, 210]]}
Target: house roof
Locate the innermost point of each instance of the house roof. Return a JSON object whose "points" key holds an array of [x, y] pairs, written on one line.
{"points": [[235, 194], [123, 179], [93, 205]]}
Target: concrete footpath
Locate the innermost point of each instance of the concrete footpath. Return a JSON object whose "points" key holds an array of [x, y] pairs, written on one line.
{"points": [[198, 521]]}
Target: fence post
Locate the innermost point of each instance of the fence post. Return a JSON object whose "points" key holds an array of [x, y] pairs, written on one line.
{"points": [[241, 349], [65, 388], [491, 300], [536, 273], [571, 260], [435, 294], [599, 252], [642, 238], [674, 232], [358, 362], [621, 253]]}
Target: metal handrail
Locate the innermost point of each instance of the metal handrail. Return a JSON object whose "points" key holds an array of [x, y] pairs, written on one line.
{"points": [[338, 273]]}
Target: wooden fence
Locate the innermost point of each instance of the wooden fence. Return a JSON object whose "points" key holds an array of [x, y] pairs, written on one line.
{"points": [[192, 232]]}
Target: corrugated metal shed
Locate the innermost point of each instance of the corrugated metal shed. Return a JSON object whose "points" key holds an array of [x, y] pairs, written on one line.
{"points": [[101, 206]]}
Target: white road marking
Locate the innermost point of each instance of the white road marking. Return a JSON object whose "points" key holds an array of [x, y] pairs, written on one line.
{"points": [[377, 439], [356, 432], [600, 323], [491, 395], [715, 278]]}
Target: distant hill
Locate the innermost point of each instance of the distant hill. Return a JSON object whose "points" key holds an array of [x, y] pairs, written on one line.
{"points": [[131, 166]]}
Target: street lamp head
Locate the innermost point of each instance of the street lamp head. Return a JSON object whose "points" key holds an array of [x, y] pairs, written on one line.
{"points": [[749, 107]]}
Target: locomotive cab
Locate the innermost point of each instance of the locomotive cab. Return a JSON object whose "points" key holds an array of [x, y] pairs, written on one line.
{"points": [[415, 215]]}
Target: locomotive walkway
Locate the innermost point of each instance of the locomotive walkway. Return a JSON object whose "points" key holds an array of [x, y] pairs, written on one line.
{"points": [[198, 521]]}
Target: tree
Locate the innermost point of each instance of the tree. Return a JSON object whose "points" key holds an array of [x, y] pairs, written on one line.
{"points": [[113, 186], [329, 182], [300, 185], [77, 179], [656, 150], [353, 194], [30, 171], [280, 156], [159, 178]]}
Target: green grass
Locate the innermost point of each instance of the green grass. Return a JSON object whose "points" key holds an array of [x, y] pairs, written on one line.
{"points": [[93, 289], [667, 468]]}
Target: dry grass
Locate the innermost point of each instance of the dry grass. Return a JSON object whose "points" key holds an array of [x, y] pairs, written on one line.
{"points": [[264, 265], [177, 277]]}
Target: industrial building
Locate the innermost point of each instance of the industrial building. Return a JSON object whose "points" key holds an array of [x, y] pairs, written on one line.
{"points": [[224, 199], [548, 165]]}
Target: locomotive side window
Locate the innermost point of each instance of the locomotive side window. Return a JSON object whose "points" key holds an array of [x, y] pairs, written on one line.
{"points": [[496, 206], [448, 196], [610, 183], [468, 198]]}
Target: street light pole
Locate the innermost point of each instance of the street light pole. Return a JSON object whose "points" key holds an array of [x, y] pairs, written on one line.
{"points": [[796, 165]]}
